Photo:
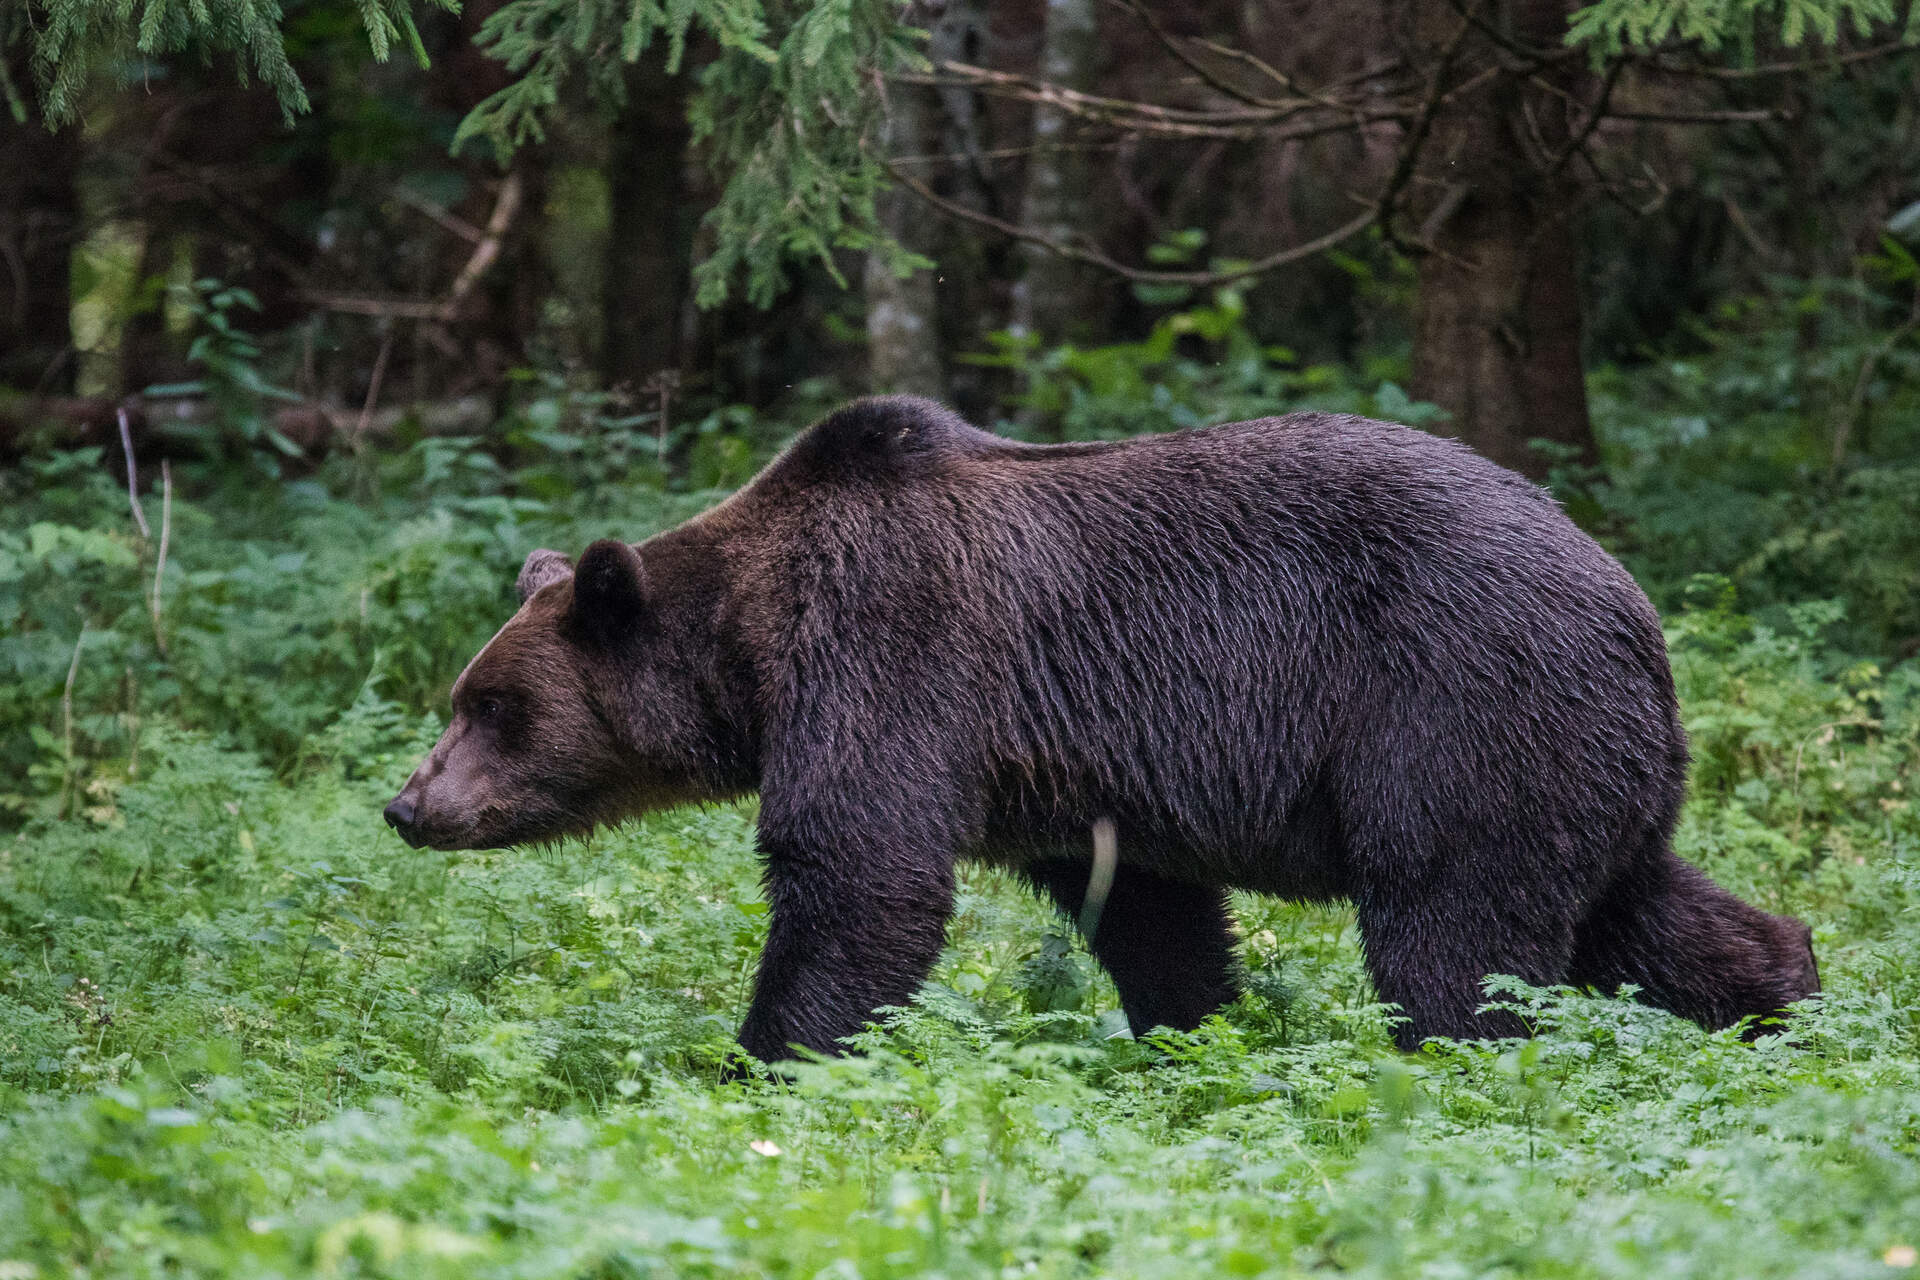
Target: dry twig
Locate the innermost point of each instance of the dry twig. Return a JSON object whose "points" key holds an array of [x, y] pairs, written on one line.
{"points": [[1595, 115], [133, 487], [486, 252], [66, 718], [373, 386], [437, 215], [1206, 74], [661, 387], [160, 564], [1153, 118]]}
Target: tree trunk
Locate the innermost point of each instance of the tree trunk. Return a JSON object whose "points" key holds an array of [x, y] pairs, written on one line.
{"points": [[649, 236], [1497, 314], [500, 316], [215, 175], [970, 295], [39, 226], [903, 346], [1052, 294], [147, 354]]}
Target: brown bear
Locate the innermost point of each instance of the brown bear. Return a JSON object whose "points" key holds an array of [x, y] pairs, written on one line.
{"points": [[1313, 656]]}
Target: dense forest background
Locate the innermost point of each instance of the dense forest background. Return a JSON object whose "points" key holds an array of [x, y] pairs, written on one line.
{"points": [[315, 319], [734, 203]]}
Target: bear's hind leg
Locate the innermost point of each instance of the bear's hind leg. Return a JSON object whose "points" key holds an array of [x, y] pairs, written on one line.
{"points": [[1693, 948], [1167, 944]]}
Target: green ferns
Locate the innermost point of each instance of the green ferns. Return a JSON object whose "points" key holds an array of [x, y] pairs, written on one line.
{"points": [[244, 1032]]}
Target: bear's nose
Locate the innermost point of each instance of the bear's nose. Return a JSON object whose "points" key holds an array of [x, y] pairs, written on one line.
{"points": [[400, 815]]}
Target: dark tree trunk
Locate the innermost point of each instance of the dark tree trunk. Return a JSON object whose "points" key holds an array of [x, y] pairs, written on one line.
{"points": [[649, 235], [219, 177], [903, 341], [1497, 314], [147, 354], [39, 226], [1053, 295], [502, 313]]}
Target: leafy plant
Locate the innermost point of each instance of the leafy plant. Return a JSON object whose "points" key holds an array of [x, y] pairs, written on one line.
{"points": [[236, 389], [1199, 365]]}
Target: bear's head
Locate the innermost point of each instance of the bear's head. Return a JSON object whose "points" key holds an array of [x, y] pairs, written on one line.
{"points": [[592, 704]]}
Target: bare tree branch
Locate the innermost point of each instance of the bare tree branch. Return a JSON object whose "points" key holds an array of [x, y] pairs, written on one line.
{"points": [[485, 253], [358, 305], [1152, 118], [1011, 153], [1617, 191], [1199, 68], [1737, 217], [1410, 146], [1302, 112], [438, 215], [1141, 275], [133, 484], [1308, 97], [1532, 57], [1286, 81], [1756, 115], [1892, 49], [505, 206], [373, 385], [1595, 114], [160, 562]]}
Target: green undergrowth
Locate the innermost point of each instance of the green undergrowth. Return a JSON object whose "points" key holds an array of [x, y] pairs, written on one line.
{"points": [[244, 1032]]}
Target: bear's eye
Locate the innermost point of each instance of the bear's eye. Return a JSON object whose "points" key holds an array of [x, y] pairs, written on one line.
{"points": [[486, 708]]}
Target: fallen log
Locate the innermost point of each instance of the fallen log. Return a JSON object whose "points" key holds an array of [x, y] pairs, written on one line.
{"points": [[163, 426]]}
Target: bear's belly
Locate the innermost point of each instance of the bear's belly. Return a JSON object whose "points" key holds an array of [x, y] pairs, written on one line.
{"points": [[1298, 855]]}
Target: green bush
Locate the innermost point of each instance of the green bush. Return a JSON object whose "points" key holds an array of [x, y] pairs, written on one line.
{"points": [[1199, 365]]}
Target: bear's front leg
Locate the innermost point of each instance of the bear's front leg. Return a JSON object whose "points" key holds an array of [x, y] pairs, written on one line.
{"points": [[855, 927]]}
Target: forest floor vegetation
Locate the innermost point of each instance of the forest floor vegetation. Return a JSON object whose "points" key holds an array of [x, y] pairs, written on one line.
{"points": [[244, 1031]]}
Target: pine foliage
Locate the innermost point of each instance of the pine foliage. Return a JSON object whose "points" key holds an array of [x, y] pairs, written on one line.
{"points": [[785, 111], [76, 42], [786, 108], [1616, 26]]}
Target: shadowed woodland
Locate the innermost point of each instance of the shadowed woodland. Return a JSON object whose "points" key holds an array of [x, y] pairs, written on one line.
{"points": [[315, 318], [1482, 198]]}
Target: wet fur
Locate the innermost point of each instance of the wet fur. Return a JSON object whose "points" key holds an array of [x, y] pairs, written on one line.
{"points": [[1312, 656]]}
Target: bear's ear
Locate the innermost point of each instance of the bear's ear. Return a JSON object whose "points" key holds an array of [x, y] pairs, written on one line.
{"points": [[609, 588], [543, 568]]}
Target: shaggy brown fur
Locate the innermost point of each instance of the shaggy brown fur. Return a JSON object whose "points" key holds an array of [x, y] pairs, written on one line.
{"points": [[1312, 656]]}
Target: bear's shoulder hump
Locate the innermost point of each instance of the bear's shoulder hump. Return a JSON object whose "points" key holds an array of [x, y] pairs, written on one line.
{"points": [[881, 434]]}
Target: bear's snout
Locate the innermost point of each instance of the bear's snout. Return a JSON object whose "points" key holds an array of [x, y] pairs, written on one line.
{"points": [[401, 814]]}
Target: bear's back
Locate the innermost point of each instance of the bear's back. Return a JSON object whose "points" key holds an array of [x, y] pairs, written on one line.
{"points": [[1319, 513], [1340, 462]]}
